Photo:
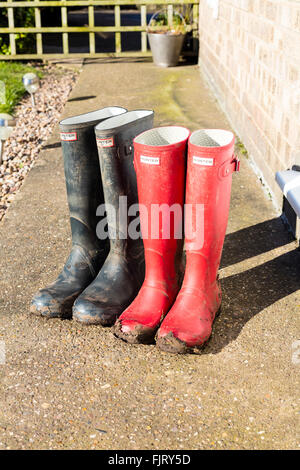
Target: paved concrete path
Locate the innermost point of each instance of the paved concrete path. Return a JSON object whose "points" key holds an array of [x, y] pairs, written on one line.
{"points": [[65, 386]]}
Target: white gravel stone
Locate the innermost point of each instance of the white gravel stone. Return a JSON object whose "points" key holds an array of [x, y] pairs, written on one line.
{"points": [[33, 127]]}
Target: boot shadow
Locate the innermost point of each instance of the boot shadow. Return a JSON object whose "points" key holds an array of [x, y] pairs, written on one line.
{"points": [[52, 146], [254, 240], [248, 293], [82, 98]]}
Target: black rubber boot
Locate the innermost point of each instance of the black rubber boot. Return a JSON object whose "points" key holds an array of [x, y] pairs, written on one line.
{"points": [[122, 274], [85, 194]]}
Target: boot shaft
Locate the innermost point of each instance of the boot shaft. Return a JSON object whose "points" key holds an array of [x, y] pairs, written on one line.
{"points": [[160, 161], [82, 173], [115, 148], [211, 162]]}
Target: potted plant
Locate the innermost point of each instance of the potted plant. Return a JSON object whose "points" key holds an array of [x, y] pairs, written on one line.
{"points": [[166, 37]]}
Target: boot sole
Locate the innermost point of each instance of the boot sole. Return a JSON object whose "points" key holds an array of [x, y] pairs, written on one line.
{"points": [[173, 345], [65, 312], [139, 335], [90, 320]]}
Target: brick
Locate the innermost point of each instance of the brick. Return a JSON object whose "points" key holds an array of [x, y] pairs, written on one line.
{"points": [[293, 73], [296, 19], [278, 115], [225, 11], [295, 156], [286, 126], [278, 142], [260, 7], [237, 17], [285, 15], [272, 85], [290, 40], [271, 9], [251, 45], [262, 29], [293, 132], [288, 152]]}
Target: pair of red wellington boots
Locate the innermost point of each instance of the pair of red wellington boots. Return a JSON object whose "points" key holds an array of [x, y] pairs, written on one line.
{"points": [[180, 318]]}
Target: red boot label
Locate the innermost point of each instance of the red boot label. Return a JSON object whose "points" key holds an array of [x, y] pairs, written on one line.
{"points": [[68, 136], [104, 143], [203, 161], [150, 160]]}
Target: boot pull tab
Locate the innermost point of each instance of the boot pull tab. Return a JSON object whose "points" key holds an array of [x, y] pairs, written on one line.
{"points": [[237, 163], [229, 167]]}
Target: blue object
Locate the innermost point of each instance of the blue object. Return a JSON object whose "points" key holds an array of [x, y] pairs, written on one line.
{"points": [[289, 183]]}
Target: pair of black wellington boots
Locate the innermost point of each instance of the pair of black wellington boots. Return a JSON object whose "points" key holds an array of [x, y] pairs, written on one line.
{"points": [[105, 268]]}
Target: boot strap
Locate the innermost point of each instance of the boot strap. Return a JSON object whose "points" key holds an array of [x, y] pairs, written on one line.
{"points": [[229, 167]]}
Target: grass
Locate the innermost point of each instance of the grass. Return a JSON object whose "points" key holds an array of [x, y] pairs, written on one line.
{"points": [[11, 74], [241, 148]]}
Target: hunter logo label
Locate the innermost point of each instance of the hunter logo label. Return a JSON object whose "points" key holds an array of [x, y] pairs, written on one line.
{"points": [[150, 160], [105, 142], [68, 136], [203, 161]]}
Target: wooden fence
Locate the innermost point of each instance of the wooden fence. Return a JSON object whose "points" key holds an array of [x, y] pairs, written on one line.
{"points": [[90, 29]]}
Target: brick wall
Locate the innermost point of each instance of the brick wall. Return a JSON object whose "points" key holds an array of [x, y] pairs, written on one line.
{"points": [[250, 53]]}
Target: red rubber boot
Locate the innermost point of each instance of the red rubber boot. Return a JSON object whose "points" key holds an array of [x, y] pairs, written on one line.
{"points": [[160, 160], [211, 163]]}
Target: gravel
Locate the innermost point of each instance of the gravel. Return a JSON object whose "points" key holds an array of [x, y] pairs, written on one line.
{"points": [[34, 126], [221, 399]]}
